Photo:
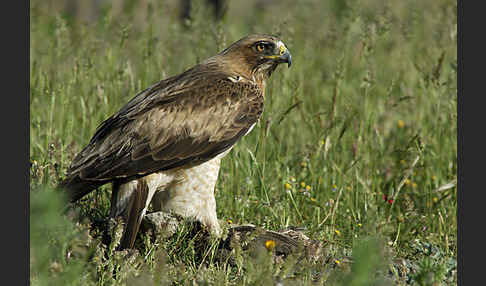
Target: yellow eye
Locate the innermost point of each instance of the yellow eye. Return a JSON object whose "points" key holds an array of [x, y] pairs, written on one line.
{"points": [[260, 47]]}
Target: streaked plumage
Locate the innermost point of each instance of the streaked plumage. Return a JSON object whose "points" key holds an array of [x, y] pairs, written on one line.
{"points": [[165, 145]]}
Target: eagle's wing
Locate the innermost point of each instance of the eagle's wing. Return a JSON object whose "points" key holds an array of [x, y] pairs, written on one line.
{"points": [[183, 120]]}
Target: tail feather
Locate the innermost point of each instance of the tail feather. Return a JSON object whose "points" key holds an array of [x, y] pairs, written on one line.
{"points": [[134, 213]]}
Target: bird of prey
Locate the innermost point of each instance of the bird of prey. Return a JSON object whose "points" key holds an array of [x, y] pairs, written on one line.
{"points": [[165, 145]]}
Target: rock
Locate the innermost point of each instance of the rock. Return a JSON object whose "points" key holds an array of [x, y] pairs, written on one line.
{"points": [[161, 223]]}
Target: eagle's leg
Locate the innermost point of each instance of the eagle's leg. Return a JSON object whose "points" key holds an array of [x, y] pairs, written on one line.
{"points": [[191, 194]]}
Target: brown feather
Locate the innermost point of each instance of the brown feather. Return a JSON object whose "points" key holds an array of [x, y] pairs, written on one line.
{"points": [[136, 206], [186, 119]]}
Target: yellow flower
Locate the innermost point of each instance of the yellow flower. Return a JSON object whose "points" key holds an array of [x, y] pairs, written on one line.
{"points": [[312, 199], [401, 124], [302, 184], [270, 244], [337, 261], [308, 187], [414, 185], [322, 142], [334, 186], [337, 232], [288, 186], [435, 199], [407, 182], [360, 225]]}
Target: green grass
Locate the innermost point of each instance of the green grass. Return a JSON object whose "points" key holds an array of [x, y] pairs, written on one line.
{"points": [[368, 109]]}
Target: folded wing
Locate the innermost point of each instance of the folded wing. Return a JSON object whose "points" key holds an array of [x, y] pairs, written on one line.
{"points": [[187, 119]]}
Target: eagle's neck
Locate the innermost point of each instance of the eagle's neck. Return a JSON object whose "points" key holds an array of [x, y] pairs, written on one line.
{"points": [[237, 65], [260, 79]]}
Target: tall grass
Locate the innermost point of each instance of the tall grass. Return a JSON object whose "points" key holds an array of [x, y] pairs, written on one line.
{"points": [[356, 139]]}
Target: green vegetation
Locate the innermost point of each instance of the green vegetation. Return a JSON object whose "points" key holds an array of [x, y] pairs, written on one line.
{"points": [[355, 143]]}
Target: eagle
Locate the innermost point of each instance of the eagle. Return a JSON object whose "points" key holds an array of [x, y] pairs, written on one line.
{"points": [[164, 147]]}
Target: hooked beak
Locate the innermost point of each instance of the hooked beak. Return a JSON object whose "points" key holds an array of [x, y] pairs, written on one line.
{"points": [[283, 56], [286, 58]]}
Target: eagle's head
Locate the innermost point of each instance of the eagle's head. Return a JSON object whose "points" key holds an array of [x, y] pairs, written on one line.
{"points": [[257, 55]]}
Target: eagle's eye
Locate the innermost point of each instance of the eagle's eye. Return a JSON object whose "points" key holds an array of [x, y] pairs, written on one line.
{"points": [[260, 47]]}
